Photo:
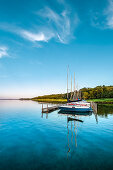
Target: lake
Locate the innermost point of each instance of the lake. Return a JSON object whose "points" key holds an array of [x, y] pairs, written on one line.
{"points": [[31, 140]]}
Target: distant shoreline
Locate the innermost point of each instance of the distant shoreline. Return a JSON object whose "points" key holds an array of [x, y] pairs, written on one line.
{"points": [[9, 99], [98, 101]]}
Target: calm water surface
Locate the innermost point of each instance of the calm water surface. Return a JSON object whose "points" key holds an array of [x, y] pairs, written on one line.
{"points": [[31, 140]]}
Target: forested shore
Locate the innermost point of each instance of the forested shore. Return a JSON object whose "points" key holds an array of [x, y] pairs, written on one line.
{"points": [[99, 94]]}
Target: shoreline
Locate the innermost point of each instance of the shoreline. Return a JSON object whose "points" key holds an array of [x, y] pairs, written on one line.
{"points": [[98, 101]]}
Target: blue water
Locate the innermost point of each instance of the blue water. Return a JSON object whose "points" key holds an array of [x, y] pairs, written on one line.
{"points": [[31, 140]]}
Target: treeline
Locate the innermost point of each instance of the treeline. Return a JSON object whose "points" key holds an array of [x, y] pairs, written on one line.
{"points": [[87, 93], [52, 96], [97, 92]]}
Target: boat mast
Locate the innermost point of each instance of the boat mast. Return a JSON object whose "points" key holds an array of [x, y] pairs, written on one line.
{"points": [[67, 82], [71, 87], [77, 91], [80, 94], [74, 84]]}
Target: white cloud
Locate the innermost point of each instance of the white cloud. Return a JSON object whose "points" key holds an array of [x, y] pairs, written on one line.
{"points": [[58, 25], [34, 35], [103, 19], [3, 51], [31, 36], [109, 14], [62, 24]]}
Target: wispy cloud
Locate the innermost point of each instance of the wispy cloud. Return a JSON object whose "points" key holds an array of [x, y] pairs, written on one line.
{"points": [[62, 25], [31, 36], [59, 26], [109, 14], [104, 19], [34, 35], [3, 51]]}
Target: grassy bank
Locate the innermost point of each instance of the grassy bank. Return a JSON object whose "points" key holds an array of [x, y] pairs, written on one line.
{"points": [[51, 100], [59, 100], [102, 101], [99, 101]]}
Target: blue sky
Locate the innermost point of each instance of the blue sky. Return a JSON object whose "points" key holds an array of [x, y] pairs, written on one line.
{"points": [[38, 39]]}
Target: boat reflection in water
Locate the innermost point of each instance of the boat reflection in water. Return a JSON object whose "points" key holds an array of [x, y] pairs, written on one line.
{"points": [[73, 119], [75, 113]]}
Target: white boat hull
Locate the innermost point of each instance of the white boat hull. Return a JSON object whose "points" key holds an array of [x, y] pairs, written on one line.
{"points": [[76, 107]]}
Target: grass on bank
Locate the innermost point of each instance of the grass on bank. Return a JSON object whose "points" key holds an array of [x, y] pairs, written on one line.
{"points": [[51, 100], [99, 101], [104, 100]]}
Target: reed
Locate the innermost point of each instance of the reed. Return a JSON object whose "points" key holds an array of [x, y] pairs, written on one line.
{"points": [[51, 100]]}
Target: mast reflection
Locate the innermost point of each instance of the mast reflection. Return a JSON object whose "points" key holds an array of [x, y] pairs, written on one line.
{"points": [[73, 120]]}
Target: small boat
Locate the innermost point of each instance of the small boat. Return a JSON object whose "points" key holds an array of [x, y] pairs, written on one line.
{"points": [[80, 106], [75, 104]]}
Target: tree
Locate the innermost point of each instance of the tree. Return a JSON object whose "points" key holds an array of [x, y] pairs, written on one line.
{"points": [[85, 95]]}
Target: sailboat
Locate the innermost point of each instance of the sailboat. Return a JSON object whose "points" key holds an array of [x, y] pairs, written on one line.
{"points": [[77, 104]]}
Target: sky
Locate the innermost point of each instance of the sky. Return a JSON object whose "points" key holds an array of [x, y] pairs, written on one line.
{"points": [[39, 39]]}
